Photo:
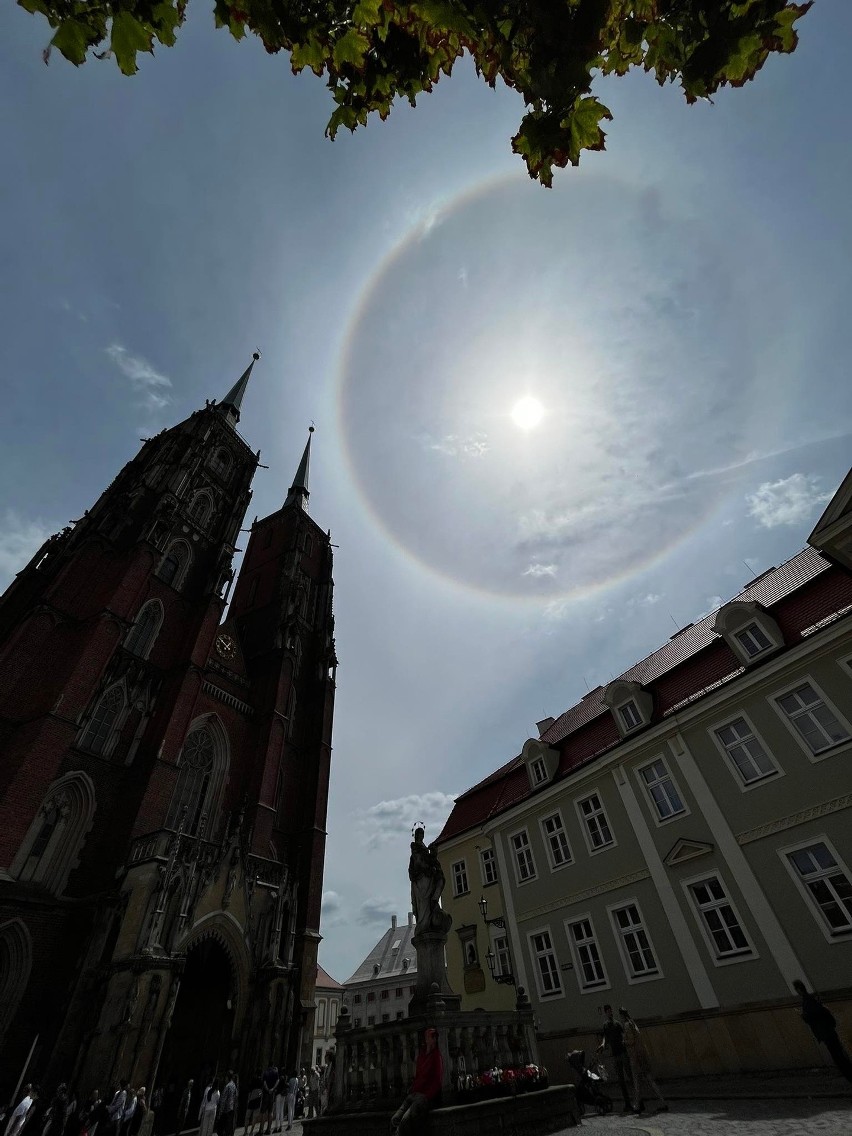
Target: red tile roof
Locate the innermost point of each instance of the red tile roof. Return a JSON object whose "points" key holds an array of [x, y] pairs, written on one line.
{"points": [[325, 981], [691, 664]]}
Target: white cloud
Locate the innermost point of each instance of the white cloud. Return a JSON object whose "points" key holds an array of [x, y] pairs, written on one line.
{"points": [[456, 445], [332, 908], [388, 821], [790, 501], [649, 600], [148, 382], [713, 604], [376, 910], [537, 570], [19, 539]]}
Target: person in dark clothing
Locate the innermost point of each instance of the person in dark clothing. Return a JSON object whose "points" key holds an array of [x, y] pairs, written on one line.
{"points": [[138, 1113], [425, 1088], [613, 1039], [824, 1028]]}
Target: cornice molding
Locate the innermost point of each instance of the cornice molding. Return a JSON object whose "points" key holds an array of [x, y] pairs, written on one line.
{"points": [[587, 893], [793, 819]]}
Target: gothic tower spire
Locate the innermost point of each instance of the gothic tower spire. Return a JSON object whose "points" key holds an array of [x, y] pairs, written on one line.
{"points": [[299, 493], [233, 400]]}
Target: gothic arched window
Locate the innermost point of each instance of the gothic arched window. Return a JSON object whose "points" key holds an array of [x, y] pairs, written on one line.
{"points": [[54, 840], [16, 960], [200, 510], [140, 638], [105, 719], [174, 565], [203, 761], [220, 462]]}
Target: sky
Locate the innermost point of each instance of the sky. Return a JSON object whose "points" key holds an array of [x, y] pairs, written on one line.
{"points": [[675, 313]]}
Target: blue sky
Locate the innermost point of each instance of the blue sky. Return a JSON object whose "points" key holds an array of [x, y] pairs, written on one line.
{"points": [[679, 307]]}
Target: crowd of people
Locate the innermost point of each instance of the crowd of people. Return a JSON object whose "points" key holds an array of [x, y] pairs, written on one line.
{"points": [[274, 1099]]}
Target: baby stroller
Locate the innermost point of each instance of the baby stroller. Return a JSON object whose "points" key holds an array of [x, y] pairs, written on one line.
{"points": [[589, 1091]]}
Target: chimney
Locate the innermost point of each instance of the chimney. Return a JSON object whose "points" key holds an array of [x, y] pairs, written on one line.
{"points": [[410, 918], [544, 724], [393, 922]]}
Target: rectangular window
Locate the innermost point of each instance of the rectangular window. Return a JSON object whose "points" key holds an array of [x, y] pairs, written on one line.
{"points": [[459, 870], [590, 971], [400, 1014], [385, 1017], [539, 771], [719, 918], [321, 1013], [630, 716], [547, 968], [753, 640], [524, 863], [332, 1015], [371, 1019], [556, 840], [812, 718], [745, 752], [488, 863], [398, 992], [356, 998], [826, 883], [598, 831], [503, 964], [636, 946], [661, 790], [384, 994], [356, 1022], [371, 996]]}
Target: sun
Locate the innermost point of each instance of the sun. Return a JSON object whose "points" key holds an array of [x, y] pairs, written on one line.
{"points": [[527, 413]]}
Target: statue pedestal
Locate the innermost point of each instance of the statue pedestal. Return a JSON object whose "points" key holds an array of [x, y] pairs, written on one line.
{"points": [[431, 973]]}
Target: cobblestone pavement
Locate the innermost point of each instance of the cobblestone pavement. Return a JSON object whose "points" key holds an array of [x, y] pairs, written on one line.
{"points": [[730, 1118]]}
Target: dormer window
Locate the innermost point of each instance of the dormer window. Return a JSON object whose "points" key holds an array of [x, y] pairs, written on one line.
{"points": [[749, 630], [541, 762], [631, 705], [754, 640]]}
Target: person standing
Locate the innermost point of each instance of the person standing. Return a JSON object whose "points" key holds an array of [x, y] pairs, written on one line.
{"points": [[228, 1106], [639, 1063], [270, 1084], [19, 1114], [823, 1026], [425, 1088], [314, 1081], [184, 1106], [141, 1107], [129, 1113], [279, 1105], [208, 1108], [115, 1108], [613, 1039], [253, 1101]]}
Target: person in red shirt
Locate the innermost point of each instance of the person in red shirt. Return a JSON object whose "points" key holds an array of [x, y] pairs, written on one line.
{"points": [[428, 1079]]}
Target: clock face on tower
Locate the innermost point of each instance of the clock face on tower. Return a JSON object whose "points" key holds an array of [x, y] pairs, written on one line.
{"points": [[226, 648]]}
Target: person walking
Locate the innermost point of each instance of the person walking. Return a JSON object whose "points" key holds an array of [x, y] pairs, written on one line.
{"points": [[253, 1101], [425, 1088], [183, 1107], [20, 1112], [128, 1113], [613, 1039], [314, 1081], [208, 1108], [228, 1106], [270, 1084], [115, 1108], [140, 1108], [639, 1064], [823, 1026]]}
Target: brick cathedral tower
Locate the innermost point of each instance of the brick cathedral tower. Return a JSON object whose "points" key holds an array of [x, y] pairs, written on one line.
{"points": [[164, 774]]}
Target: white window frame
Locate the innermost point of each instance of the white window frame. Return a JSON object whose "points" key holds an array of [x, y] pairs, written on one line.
{"points": [[630, 721], [538, 771], [548, 847], [584, 827], [830, 750], [502, 951], [513, 850], [748, 955], [746, 630], [552, 995], [652, 804], [813, 907], [459, 873], [492, 861], [633, 979], [757, 782], [582, 986]]}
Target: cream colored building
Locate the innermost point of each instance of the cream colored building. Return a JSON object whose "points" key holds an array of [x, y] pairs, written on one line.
{"points": [[328, 1000], [383, 985], [680, 842]]}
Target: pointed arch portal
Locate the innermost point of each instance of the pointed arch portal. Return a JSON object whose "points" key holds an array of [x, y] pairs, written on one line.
{"points": [[201, 1037]]}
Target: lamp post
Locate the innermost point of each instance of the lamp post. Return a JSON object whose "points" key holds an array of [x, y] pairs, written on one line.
{"points": [[505, 976]]}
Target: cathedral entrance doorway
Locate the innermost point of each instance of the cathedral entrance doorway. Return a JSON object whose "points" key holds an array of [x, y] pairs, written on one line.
{"points": [[199, 1042]]}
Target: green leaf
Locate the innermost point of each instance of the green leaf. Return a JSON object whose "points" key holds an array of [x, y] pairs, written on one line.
{"points": [[367, 13], [73, 39], [166, 21], [129, 37], [350, 49], [583, 125], [309, 53]]}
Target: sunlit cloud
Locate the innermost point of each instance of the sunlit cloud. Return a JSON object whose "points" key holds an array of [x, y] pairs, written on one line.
{"points": [[454, 445], [149, 383], [790, 501], [392, 821], [539, 570]]}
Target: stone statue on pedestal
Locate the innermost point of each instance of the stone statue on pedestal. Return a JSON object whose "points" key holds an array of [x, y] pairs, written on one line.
{"points": [[427, 884]]}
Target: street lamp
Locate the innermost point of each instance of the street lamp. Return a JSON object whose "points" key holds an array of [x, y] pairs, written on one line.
{"points": [[505, 978], [498, 922]]}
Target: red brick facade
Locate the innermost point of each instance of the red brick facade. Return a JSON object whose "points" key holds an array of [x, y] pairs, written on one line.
{"points": [[116, 892]]}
